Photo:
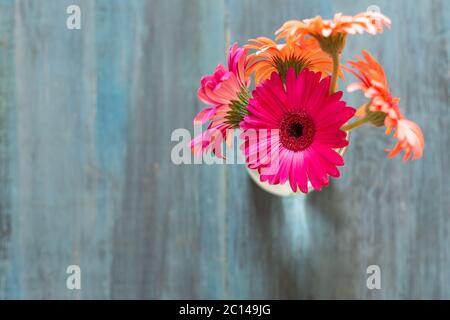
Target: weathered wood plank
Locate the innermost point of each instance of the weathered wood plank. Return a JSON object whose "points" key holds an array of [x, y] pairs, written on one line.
{"points": [[7, 151], [169, 237], [58, 214]]}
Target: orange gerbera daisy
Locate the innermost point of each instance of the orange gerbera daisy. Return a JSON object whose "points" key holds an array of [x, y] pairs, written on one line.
{"points": [[331, 33], [370, 22], [373, 82], [410, 140], [271, 56], [383, 107]]}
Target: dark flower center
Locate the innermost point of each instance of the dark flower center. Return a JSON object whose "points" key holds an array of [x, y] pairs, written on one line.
{"points": [[297, 131]]}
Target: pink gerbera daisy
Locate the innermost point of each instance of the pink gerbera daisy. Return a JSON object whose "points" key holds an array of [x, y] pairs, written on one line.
{"points": [[304, 123], [226, 91]]}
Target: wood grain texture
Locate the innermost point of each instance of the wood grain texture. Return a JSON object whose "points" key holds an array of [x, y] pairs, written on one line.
{"points": [[86, 118]]}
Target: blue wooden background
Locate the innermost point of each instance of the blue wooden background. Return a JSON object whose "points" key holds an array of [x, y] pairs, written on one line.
{"points": [[86, 178]]}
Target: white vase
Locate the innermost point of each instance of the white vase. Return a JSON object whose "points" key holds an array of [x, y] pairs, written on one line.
{"points": [[281, 190]]}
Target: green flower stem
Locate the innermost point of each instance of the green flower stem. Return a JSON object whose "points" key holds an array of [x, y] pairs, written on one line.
{"points": [[334, 78], [355, 124]]}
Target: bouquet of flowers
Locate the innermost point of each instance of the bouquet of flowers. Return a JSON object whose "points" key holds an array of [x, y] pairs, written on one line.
{"points": [[283, 95]]}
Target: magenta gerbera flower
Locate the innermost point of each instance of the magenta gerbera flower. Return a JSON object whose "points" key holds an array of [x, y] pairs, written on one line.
{"points": [[304, 123]]}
